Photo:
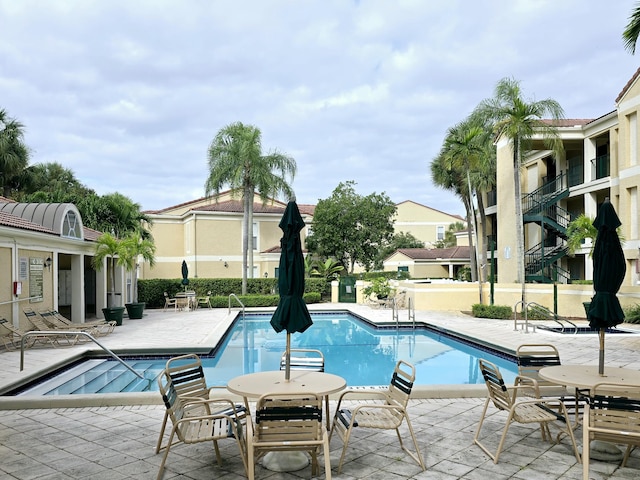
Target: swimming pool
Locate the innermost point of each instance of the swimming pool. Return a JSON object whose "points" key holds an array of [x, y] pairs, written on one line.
{"points": [[354, 349]]}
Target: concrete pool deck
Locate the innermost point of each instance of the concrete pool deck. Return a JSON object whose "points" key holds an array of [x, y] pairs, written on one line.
{"points": [[56, 441]]}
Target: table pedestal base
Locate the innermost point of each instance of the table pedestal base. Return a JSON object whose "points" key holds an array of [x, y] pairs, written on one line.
{"points": [[285, 461], [605, 451]]}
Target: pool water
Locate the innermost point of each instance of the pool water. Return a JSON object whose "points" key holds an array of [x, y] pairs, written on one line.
{"points": [[355, 350]]}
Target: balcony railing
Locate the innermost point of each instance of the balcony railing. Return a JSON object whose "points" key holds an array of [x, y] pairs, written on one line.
{"points": [[601, 164]]}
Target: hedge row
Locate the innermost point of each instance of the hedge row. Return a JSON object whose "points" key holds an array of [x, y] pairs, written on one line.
{"points": [[491, 311], [152, 291]]}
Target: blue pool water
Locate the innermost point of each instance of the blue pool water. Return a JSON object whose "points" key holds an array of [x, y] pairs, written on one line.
{"points": [[362, 354]]}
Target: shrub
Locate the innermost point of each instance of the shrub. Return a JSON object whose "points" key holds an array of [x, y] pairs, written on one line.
{"points": [[632, 314], [491, 311]]}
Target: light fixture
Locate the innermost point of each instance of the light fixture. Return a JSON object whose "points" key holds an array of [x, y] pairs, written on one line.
{"points": [[226, 265], [48, 262]]}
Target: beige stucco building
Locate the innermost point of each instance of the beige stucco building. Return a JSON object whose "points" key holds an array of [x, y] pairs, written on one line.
{"points": [[45, 260], [601, 160], [425, 223], [207, 234]]}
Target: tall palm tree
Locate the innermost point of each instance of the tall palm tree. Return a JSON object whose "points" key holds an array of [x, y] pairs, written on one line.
{"points": [[235, 159], [14, 155], [632, 30], [519, 122], [448, 175]]}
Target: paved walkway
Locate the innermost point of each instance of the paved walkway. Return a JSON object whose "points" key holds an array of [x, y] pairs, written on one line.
{"points": [[68, 441]]}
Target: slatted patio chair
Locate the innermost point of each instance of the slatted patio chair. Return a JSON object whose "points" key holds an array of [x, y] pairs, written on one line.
{"points": [[204, 301], [170, 302], [288, 422], [194, 421], [531, 357], [306, 359], [13, 340], [188, 380], [542, 412], [55, 324], [55, 340], [388, 414], [612, 414], [98, 328]]}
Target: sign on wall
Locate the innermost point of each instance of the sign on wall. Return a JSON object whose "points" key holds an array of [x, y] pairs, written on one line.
{"points": [[36, 273], [23, 269]]}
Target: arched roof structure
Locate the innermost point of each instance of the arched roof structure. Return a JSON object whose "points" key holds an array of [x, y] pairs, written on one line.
{"points": [[62, 218]]}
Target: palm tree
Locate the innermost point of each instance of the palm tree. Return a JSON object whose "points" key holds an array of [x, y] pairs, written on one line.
{"points": [[235, 158], [108, 246], [519, 122], [14, 155], [463, 151], [130, 250], [632, 30]]}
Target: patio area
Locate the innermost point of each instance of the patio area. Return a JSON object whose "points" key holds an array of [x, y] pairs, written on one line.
{"points": [[113, 440]]}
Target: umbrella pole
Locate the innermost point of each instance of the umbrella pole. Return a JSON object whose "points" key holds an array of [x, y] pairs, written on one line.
{"points": [[287, 369], [601, 361]]}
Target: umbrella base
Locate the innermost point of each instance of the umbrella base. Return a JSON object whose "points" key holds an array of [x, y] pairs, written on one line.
{"points": [[285, 461]]}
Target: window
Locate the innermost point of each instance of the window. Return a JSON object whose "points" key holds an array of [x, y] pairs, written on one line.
{"points": [[440, 232], [255, 237], [71, 226], [403, 269]]}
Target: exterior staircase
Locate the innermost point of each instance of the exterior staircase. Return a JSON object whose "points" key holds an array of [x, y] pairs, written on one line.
{"points": [[541, 207]]}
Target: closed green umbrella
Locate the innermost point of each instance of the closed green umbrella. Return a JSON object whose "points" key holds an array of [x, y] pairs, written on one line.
{"points": [[608, 274], [185, 274], [291, 314]]}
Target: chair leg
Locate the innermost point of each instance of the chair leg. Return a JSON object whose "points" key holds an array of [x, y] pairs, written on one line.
{"points": [[166, 454], [586, 444], [217, 449], [345, 439], [417, 456], [327, 457], [164, 424]]}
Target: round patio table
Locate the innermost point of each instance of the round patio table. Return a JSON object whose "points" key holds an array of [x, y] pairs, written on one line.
{"points": [[254, 385], [585, 377]]}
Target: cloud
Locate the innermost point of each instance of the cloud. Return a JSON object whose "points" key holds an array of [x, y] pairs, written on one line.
{"points": [[130, 94]]}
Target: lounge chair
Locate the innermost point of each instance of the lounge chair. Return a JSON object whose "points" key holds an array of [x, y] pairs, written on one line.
{"points": [[188, 380], [542, 412], [204, 301], [194, 422], [389, 414], [170, 302], [531, 357], [56, 340], [288, 422], [13, 340], [612, 414], [97, 329]]}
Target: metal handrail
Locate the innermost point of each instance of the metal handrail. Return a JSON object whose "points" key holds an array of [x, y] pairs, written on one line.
{"points": [[515, 316], [39, 297], [394, 313], [66, 332], [552, 316], [412, 312], [233, 295]]}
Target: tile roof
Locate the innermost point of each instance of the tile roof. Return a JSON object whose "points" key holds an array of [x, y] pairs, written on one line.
{"points": [[568, 122], [631, 81], [9, 220], [460, 253], [235, 206]]}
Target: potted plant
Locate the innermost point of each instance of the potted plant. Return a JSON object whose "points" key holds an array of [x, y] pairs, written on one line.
{"points": [[379, 287], [108, 246], [131, 249]]}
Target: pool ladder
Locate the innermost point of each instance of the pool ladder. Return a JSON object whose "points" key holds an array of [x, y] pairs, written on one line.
{"points": [[49, 333], [395, 314], [233, 295], [542, 309]]}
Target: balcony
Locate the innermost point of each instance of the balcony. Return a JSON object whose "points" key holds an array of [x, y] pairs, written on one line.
{"points": [[601, 165]]}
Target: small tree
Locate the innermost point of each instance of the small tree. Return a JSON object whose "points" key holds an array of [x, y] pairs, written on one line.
{"points": [[130, 250], [578, 231], [108, 247]]}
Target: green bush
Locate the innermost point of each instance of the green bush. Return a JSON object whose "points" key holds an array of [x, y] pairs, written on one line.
{"points": [[152, 291], [491, 311], [632, 314]]}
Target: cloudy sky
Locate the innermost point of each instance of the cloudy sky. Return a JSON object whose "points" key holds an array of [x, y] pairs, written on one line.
{"points": [[129, 93]]}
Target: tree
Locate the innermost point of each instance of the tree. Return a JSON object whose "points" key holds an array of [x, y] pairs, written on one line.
{"points": [[350, 227], [130, 250], [519, 121], [399, 240], [329, 269], [235, 159], [108, 247], [632, 30], [14, 155]]}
